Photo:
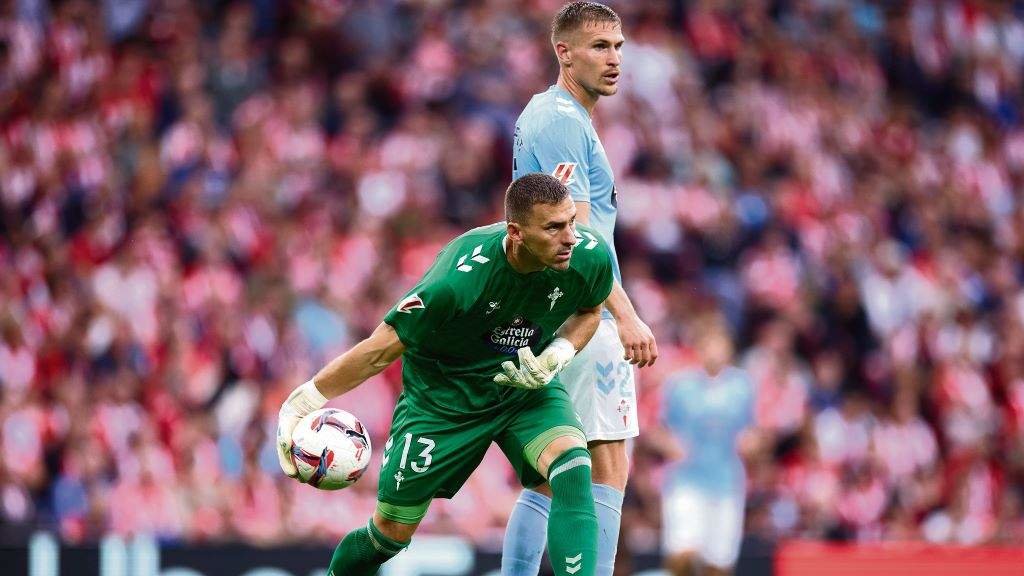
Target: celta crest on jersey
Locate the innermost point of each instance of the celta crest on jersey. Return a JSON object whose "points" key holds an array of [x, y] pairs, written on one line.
{"points": [[410, 303], [554, 296]]}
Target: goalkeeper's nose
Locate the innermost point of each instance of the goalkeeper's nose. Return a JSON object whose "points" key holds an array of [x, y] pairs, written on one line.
{"points": [[568, 237]]}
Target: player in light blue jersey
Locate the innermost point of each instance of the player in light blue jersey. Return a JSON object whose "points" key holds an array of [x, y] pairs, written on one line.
{"points": [[554, 135], [705, 410]]}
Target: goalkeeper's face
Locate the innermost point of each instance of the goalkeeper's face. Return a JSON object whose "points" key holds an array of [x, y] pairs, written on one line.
{"points": [[549, 234], [596, 57]]}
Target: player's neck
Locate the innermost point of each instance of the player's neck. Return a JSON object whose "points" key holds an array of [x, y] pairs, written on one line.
{"points": [[578, 92], [714, 370], [520, 259]]}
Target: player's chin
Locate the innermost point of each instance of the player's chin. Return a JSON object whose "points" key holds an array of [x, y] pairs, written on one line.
{"points": [[561, 261]]}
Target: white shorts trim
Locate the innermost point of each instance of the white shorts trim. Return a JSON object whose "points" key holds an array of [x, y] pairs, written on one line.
{"points": [[709, 524], [602, 386]]}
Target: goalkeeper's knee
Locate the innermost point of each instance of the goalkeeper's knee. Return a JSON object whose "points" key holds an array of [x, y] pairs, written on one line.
{"points": [[569, 478]]}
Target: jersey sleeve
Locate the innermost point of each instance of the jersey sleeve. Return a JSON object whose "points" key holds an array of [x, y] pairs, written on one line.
{"points": [[601, 278], [562, 149], [421, 312]]}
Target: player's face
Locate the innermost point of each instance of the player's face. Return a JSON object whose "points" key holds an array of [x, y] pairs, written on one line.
{"points": [[550, 233], [715, 350], [597, 57]]}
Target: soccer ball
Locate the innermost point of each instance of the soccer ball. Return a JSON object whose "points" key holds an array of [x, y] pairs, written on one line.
{"points": [[331, 449]]}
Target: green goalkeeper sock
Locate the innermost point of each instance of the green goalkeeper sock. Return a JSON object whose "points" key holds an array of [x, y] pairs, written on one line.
{"points": [[362, 552], [572, 524]]}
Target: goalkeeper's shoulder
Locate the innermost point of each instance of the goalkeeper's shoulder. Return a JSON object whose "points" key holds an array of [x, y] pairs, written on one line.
{"points": [[462, 267], [467, 252], [592, 262], [591, 250]]}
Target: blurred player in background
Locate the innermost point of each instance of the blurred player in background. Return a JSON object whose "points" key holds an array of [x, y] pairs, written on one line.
{"points": [[495, 292], [554, 135], [705, 410]]}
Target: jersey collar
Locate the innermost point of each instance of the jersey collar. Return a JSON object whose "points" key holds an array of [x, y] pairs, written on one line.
{"points": [[563, 92]]}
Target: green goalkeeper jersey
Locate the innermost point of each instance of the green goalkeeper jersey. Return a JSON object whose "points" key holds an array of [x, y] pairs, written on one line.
{"points": [[471, 311]]}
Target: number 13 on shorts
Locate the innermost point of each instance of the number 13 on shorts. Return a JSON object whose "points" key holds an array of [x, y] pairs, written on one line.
{"points": [[418, 464]]}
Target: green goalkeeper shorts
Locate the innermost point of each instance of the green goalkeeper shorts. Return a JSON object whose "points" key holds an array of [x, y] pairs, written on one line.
{"points": [[429, 456]]}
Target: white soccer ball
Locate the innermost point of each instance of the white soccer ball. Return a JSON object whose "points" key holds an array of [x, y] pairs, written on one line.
{"points": [[331, 449]]}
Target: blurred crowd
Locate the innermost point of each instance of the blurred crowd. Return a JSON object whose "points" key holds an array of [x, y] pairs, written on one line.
{"points": [[202, 202]]}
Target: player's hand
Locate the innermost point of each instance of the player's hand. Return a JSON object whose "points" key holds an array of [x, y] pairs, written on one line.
{"points": [[529, 375], [286, 422], [536, 371], [301, 401], [638, 340]]}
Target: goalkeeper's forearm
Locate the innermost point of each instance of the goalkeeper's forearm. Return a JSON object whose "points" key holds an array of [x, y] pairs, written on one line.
{"points": [[580, 327], [364, 360]]}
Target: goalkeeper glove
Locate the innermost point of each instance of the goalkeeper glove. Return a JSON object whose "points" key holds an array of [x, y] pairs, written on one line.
{"points": [[303, 400], [536, 371]]}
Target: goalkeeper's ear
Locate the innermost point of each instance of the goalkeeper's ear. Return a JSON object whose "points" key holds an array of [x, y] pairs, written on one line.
{"points": [[514, 231]]}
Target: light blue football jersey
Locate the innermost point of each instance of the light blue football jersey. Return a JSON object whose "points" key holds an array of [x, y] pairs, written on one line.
{"points": [[554, 135], [707, 415]]}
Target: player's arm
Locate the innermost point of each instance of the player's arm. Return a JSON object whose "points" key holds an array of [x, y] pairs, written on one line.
{"points": [[537, 371], [661, 438], [363, 361], [579, 328], [636, 336], [752, 439]]}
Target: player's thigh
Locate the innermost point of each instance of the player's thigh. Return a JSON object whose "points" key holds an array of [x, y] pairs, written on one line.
{"points": [[726, 533], [685, 517], [610, 462], [602, 386], [545, 426], [426, 456]]}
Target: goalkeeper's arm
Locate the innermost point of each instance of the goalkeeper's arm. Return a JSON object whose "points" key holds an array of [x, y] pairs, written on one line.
{"points": [[364, 360], [579, 328], [537, 371]]}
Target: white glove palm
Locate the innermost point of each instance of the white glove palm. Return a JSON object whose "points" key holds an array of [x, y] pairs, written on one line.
{"points": [[300, 402], [536, 371]]}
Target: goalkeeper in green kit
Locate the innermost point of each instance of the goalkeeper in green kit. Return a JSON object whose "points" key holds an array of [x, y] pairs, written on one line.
{"points": [[483, 336]]}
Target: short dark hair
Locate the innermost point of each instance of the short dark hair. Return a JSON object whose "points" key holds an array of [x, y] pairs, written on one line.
{"points": [[531, 189], [575, 14]]}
